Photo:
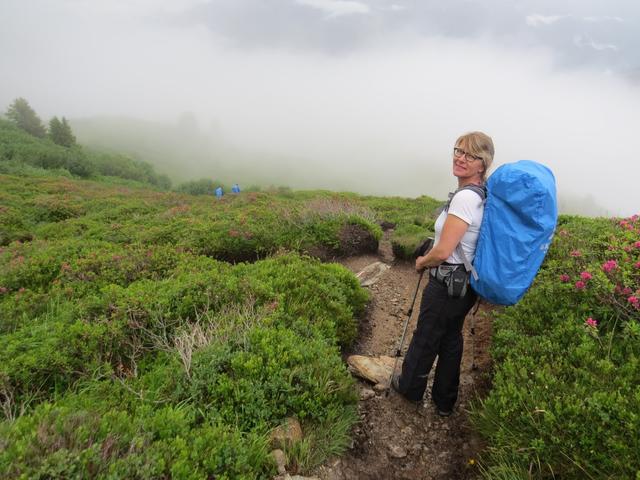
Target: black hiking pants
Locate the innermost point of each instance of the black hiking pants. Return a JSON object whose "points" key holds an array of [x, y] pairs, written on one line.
{"points": [[437, 334]]}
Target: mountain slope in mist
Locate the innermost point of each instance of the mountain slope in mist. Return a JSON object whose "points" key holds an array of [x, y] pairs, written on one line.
{"points": [[185, 152]]}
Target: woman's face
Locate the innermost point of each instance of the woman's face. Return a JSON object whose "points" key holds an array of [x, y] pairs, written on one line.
{"points": [[465, 164]]}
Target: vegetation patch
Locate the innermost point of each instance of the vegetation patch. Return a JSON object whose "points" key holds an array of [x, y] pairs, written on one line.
{"points": [[566, 389], [218, 349]]}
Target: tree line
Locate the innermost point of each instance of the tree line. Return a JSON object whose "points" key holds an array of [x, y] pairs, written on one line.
{"points": [[24, 117], [26, 142]]}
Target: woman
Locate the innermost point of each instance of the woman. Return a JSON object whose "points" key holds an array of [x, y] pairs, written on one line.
{"points": [[439, 329]]}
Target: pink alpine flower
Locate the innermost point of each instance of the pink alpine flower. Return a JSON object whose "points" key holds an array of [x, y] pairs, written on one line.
{"points": [[580, 285], [626, 291], [590, 322], [564, 278], [609, 265], [637, 244], [586, 276], [3, 290], [576, 253], [633, 300], [637, 265]]}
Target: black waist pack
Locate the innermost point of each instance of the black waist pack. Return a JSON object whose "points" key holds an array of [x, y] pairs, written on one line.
{"points": [[454, 277], [457, 282]]}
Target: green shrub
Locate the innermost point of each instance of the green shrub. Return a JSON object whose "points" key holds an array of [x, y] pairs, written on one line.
{"points": [[199, 363], [406, 238], [204, 186], [566, 389], [129, 350], [92, 436]]}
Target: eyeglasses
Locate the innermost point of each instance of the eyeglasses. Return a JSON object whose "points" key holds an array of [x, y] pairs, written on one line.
{"points": [[459, 153]]}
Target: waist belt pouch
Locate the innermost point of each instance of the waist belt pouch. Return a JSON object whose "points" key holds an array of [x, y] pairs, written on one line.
{"points": [[457, 282]]}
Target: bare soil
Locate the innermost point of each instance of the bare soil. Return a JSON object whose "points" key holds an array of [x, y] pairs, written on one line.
{"points": [[398, 439]]}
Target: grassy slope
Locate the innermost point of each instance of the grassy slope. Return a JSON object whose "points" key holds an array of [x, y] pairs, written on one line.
{"points": [[129, 348], [565, 400]]}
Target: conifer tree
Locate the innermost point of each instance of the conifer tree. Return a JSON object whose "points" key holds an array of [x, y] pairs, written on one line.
{"points": [[60, 132], [21, 113]]}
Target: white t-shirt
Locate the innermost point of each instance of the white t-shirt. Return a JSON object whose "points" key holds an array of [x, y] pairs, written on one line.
{"points": [[469, 207]]}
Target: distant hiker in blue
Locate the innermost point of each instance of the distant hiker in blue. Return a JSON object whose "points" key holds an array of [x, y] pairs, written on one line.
{"points": [[235, 188], [446, 300], [219, 192]]}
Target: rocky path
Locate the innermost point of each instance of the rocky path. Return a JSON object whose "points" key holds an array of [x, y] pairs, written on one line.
{"points": [[397, 439]]}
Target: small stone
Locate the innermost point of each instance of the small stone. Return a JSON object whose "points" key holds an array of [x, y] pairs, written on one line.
{"points": [[372, 273], [374, 369], [380, 387], [397, 452], [281, 460], [366, 394], [286, 434]]}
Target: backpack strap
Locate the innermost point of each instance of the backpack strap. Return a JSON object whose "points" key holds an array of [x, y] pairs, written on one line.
{"points": [[482, 192], [479, 189]]}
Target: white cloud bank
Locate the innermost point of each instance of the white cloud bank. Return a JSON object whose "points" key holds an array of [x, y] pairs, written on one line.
{"points": [[584, 41], [381, 121], [336, 8], [537, 20], [605, 18]]}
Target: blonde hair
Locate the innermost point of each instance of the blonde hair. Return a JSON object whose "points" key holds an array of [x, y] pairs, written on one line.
{"points": [[479, 144]]}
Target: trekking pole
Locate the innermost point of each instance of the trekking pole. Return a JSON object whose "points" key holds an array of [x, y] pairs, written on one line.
{"points": [[404, 332], [473, 337], [473, 342]]}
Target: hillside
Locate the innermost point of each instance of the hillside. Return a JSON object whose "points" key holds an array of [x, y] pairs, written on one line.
{"points": [[25, 154], [117, 299], [154, 334]]}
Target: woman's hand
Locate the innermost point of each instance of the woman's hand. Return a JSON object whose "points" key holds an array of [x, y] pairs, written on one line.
{"points": [[421, 263]]}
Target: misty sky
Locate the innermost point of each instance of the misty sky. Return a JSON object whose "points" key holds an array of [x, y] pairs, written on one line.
{"points": [[371, 93]]}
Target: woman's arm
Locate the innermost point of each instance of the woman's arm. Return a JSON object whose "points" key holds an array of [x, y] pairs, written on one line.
{"points": [[452, 232]]}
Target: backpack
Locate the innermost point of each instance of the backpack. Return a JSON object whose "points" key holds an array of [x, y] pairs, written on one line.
{"points": [[518, 223]]}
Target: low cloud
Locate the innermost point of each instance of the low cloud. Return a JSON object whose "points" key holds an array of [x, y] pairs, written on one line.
{"points": [[584, 41], [336, 8], [396, 8], [537, 20], [378, 119], [603, 19]]}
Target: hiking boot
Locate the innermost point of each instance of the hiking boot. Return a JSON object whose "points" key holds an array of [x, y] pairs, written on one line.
{"points": [[395, 383], [444, 413]]}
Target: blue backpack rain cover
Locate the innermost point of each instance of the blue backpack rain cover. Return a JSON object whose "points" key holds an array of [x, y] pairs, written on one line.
{"points": [[519, 220]]}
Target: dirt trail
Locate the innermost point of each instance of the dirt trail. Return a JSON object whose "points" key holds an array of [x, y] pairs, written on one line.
{"points": [[397, 439]]}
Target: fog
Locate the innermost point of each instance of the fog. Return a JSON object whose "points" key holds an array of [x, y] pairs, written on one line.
{"points": [[373, 109]]}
